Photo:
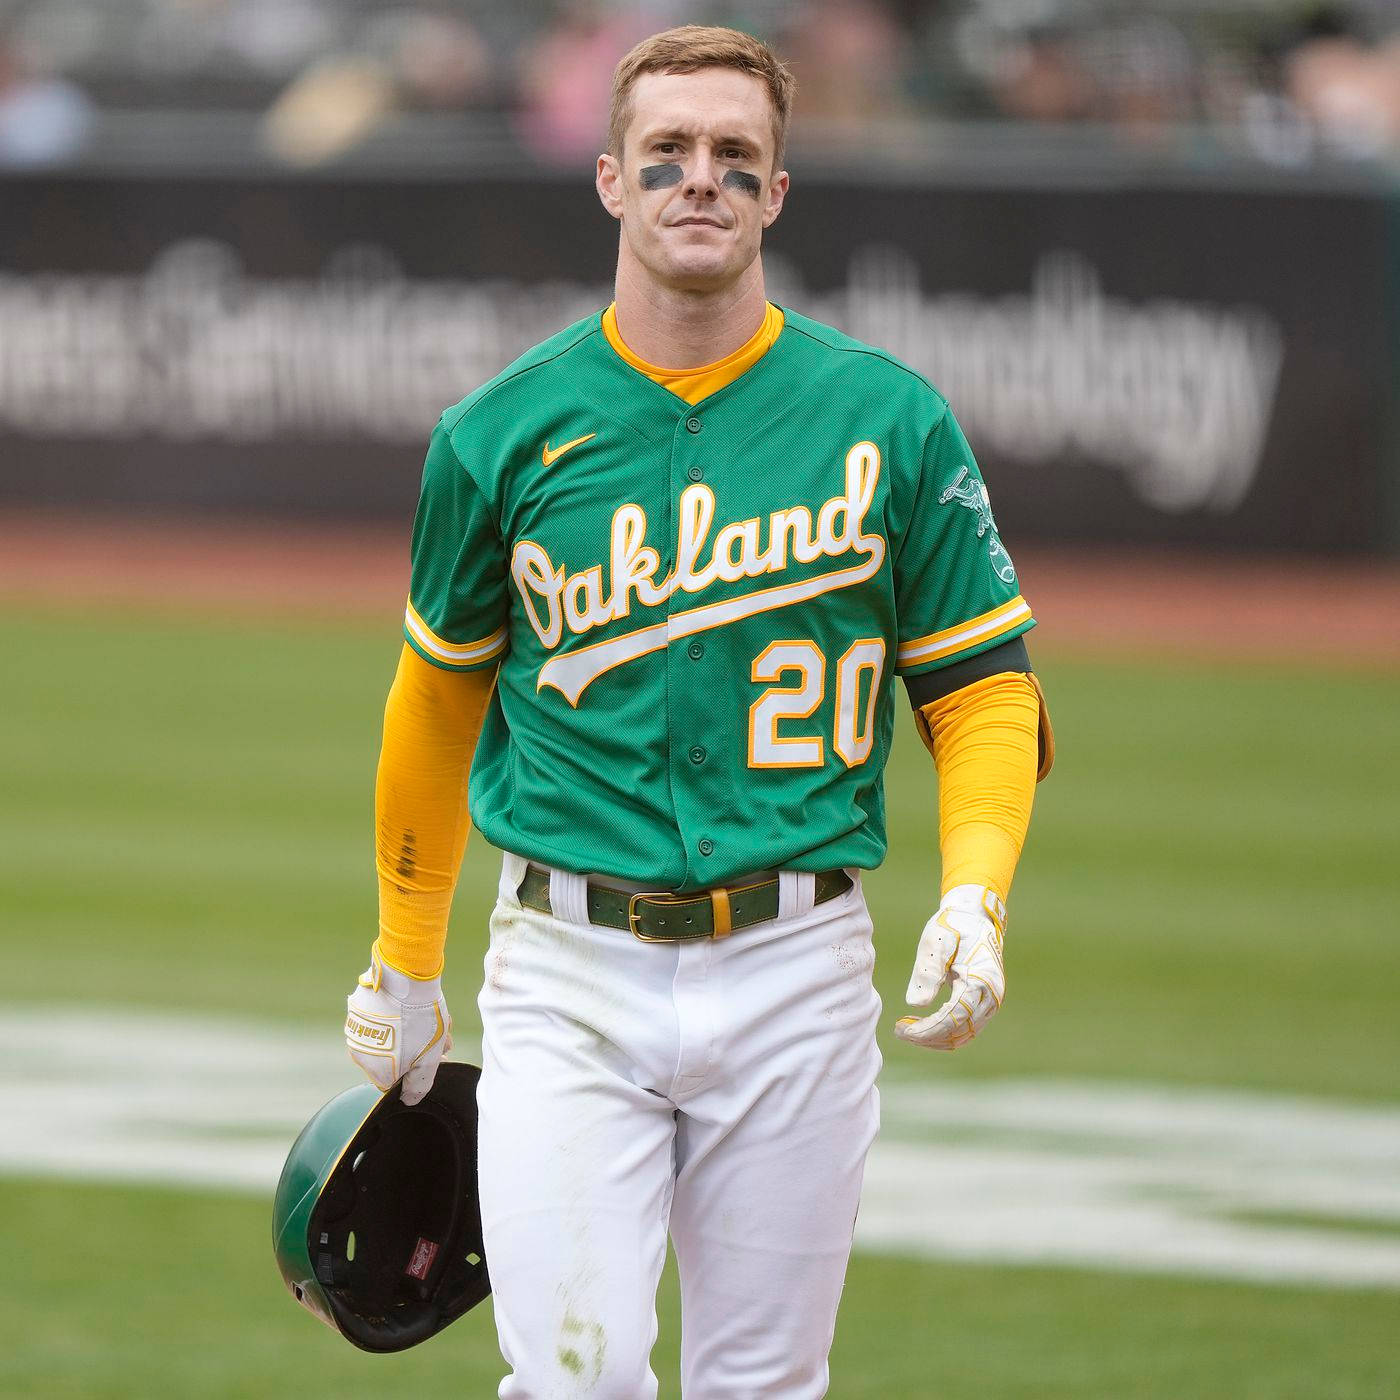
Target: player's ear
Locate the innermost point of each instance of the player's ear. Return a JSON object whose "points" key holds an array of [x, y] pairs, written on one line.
{"points": [[608, 183], [777, 193]]}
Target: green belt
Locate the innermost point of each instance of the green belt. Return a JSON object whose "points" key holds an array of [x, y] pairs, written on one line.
{"points": [[676, 918]]}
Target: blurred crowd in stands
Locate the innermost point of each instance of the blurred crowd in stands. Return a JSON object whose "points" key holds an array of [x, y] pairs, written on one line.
{"points": [[1288, 81]]}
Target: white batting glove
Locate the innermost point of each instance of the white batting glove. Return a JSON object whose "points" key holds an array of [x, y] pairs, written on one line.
{"points": [[961, 945], [397, 1025]]}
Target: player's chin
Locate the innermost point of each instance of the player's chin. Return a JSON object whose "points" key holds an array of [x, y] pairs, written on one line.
{"points": [[697, 268]]}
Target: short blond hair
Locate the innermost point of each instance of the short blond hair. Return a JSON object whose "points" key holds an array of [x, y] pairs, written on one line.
{"points": [[689, 48]]}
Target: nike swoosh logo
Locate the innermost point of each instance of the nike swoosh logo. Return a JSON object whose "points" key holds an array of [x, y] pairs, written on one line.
{"points": [[550, 455]]}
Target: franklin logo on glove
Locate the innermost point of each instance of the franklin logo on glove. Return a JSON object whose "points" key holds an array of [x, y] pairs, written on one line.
{"points": [[373, 1036], [386, 1001]]}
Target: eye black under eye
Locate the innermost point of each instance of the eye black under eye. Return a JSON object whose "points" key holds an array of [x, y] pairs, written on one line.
{"points": [[743, 180], [655, 177]]}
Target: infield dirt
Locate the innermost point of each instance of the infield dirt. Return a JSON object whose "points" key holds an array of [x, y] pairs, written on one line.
{"points": [[1147, 600]]}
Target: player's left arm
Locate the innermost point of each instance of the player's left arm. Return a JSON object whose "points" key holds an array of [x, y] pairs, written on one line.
{"points": [[985, 723], [980, 712]]}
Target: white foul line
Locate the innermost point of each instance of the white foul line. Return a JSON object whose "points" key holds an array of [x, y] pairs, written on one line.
{"points": [[1080, 1173]]}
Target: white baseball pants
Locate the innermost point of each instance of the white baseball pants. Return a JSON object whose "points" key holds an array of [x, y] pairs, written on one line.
{"points": [[724, 1088]]}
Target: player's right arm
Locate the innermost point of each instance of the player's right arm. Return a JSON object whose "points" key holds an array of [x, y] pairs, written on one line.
{"points": [[397, 1024], [396, 1018], [432, 721]]}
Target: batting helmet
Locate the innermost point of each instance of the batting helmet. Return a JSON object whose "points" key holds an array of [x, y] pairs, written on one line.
{"points": [[376, 1224]]}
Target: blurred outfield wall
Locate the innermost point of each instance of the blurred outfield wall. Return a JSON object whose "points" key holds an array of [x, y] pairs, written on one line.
{"points": [[1133, 360]]}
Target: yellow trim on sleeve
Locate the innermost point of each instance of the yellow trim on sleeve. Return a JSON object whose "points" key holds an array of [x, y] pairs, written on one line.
{"points": [[452, 653], [985, 741], [984, 628]]}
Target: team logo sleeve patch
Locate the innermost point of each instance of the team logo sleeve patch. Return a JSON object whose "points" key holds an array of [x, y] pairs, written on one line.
{"points": [[956, 586]]}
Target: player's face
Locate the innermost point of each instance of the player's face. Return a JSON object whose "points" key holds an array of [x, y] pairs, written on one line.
{"points": [[695, 185]]}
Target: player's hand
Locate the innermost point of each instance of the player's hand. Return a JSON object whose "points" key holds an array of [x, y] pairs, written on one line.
{"points": [[961, 946], [397, 1025]]}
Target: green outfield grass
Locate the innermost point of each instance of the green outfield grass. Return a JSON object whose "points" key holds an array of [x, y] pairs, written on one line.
{"points": [[144, 1295], [1208, 898], [1208, 894]]}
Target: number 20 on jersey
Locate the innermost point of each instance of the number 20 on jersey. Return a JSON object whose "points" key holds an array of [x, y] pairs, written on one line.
{"points": [[854, 729]]}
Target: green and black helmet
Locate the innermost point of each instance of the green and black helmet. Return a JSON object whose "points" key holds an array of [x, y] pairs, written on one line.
{"points": [[376, 1224]]}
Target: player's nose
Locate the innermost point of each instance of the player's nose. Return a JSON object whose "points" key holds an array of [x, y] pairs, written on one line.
{"points": [[702, 177]]}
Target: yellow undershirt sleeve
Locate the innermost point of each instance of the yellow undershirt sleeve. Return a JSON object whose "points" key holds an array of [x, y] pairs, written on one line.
{"points": [[432, 721], [985, 741]]}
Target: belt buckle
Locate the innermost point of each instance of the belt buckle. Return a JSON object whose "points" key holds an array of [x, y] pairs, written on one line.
{"points": [[660, 897]]}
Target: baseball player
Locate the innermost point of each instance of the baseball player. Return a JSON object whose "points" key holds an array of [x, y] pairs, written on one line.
{"points": [[665, 569]]}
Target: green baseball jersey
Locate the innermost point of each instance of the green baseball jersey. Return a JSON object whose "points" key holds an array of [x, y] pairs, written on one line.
{"points": [[699, 611]]}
